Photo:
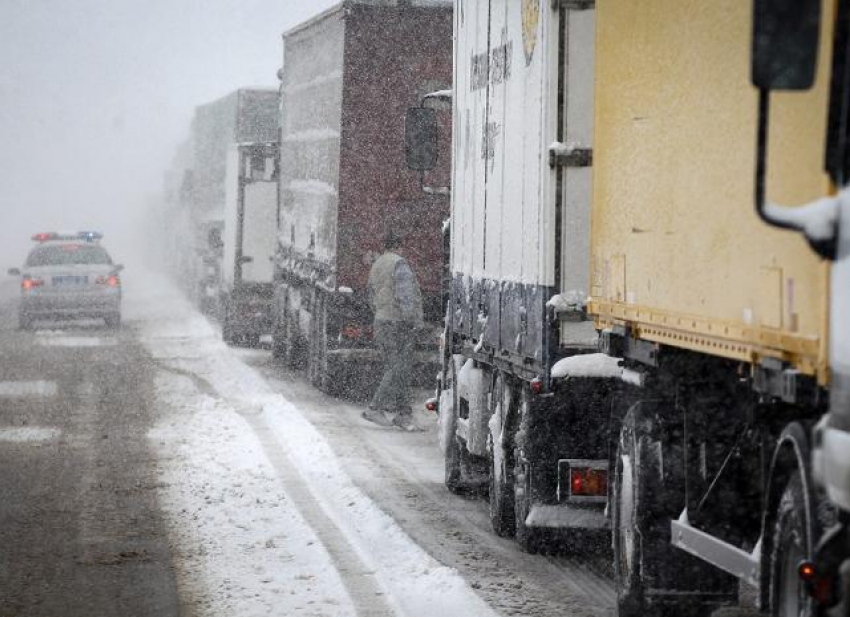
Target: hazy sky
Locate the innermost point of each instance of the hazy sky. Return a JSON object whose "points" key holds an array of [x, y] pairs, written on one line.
{"points": [[96, 94]]}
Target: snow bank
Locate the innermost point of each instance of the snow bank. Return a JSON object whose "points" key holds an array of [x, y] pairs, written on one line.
{"points": [[588, 365]]}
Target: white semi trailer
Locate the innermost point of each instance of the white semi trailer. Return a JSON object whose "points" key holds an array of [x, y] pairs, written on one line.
{"points": [[249, 237], [520, 227]]}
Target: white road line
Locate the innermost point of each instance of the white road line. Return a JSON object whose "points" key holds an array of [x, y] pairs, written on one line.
{"points": [[28, 434], [25, 389], [74, 341]]}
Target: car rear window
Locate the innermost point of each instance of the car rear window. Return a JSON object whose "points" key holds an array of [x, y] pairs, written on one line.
{"points": [[68, 254]]}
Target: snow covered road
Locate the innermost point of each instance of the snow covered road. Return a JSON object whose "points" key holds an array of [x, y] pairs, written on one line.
{"points": [[282, 501]]}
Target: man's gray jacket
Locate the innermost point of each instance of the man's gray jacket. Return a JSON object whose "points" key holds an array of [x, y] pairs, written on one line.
{"points": [[394, 291]]}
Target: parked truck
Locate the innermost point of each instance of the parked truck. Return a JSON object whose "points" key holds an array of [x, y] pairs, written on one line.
{"points": [[249, 238], [521, 154], [348, 75], [682, 416], [198, 199]]}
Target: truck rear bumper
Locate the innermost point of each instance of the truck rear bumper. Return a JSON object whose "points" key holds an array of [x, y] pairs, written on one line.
{"points": [[567, 517]]}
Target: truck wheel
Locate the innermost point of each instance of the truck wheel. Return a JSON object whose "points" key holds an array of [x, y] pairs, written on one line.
{"points": [[278, 338], [648, 492], [24, 322], [631, 486], [530, 539], [317, 362], [527, 537], [792, 543], [454, 453], [113, 321], [227, 330], [502, 514]]}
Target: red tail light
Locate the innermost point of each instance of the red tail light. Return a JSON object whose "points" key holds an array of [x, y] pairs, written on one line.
{"points": [[431, 405], [112, 281], [586, 482], [537, 385], [351, 331], [30, 283]]}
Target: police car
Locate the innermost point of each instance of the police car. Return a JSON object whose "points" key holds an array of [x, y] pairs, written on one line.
{"points": [[69, 276]]}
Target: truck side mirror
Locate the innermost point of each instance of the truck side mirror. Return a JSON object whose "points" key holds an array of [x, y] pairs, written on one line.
{"points": [[785, 43], [420, 138]]}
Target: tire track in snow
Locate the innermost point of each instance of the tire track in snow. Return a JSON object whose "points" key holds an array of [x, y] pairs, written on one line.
{"points": [[591, 593], [367, 595]]}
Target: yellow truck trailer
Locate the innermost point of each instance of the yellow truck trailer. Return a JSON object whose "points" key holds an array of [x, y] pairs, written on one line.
{"points": [[730, 326]]}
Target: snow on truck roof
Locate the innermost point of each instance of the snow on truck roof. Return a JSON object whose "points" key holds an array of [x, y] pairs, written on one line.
{"points": [[390, 3]]}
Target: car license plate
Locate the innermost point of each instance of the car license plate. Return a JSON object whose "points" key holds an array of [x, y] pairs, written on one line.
{"points": [[69, 281]]}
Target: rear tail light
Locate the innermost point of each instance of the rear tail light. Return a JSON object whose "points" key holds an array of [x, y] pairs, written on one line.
{"points": [[537, 385], [355, 332], [30, 283], [351, 331], [588, 482], [582, 480], [432, 405], [111, 281]]}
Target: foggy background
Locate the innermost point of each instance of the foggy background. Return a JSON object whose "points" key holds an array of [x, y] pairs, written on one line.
{"points": [[95, 96]]}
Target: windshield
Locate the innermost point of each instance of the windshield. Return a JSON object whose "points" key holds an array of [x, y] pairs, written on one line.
{"points": [[68, 254]]}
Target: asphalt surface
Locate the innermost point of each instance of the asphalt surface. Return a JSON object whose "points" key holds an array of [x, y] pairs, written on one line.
{"points": [[80, 529]]}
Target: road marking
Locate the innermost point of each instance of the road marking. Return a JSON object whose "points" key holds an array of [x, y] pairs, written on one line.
{"points": [[23, 389], [49, 339], [28, 434]]}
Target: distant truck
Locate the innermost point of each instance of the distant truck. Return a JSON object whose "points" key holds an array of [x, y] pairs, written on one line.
{"points": [[348, 75], [651, 357], [247, 115], [250, 230]]}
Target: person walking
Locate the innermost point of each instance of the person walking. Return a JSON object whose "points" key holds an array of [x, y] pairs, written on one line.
{"points": [[397, 304]]}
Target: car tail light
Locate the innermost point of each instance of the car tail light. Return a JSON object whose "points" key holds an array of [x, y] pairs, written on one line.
{"points": [[30, 283], [432, 405], [112, 281], [44, 237], [586, 482]]}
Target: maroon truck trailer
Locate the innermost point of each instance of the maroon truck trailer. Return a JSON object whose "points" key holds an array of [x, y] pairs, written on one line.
{"points": [[348, 76]]}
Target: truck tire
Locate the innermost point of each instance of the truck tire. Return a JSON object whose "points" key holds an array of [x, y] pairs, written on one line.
{"points": [[648, 492], [629, 518], [113, 321], [501, 488], [528, 538], [228, 333], [792, 543], [278, 337], [24, 322], [455, 453]]}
